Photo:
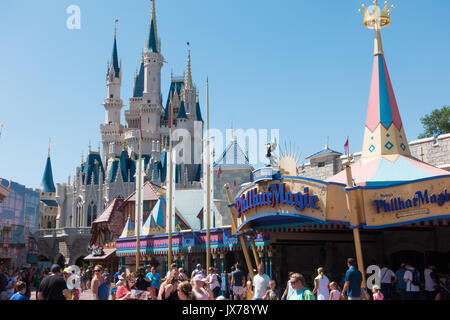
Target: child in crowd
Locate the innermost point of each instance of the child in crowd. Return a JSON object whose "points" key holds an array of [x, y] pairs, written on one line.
{"points": [[377, 295], [335, 294], [272, 293], [21, 288]]}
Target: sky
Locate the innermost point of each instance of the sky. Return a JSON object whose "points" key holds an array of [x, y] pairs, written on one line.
{"points": [[303, 67]]}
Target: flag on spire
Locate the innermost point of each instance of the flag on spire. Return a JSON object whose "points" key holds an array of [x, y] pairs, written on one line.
{"points": [[346, 147], [219, 172]]}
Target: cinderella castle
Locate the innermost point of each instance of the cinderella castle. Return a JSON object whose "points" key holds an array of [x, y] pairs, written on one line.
{"points": [[110, 173]]}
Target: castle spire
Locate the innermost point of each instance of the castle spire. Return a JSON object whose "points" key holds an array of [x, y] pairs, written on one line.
{"points": [[152, 39], [384, 133], [115, 58], [188, 82], [47, 183]]}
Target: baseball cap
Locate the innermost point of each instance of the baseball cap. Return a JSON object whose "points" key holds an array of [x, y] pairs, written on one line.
{"points": [[199, 277], [199, 265], [55, 268]]}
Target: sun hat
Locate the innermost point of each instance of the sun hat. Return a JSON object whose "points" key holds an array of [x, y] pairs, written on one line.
{"points": [[199, 277], [376, 287]]}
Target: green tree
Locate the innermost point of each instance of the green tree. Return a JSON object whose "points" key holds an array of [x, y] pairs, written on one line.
{"points": [[436, 123]]}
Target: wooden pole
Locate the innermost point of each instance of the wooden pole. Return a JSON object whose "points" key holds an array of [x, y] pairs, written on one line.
{"points": [[255, 252], [138, 198], [241, 238], [208, 184], [356, 235]]}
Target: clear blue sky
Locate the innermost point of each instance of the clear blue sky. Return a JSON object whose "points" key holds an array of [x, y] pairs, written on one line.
{"points": [[303, 67]]}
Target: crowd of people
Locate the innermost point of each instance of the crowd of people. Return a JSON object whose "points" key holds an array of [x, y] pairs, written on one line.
{"points": [[146, 284]]}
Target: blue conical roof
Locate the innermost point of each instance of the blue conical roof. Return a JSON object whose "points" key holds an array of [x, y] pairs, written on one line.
{"points": [[182, 112], [139, 83], [47, 183], [198, 112], [115, 59], [151, 44]]}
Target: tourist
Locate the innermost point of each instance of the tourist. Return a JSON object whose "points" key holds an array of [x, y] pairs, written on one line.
{"points": [[430, 283], [353, 280], [169, 288], [21, 288], [335, 294], [200, 290], [172, 266], [24, 276], [84, 280], [272, 293], [145, 284], [321, 283], [37, 281], [12, 279], [412, 280], [229, 292], [400, 285], [96, 281], [213, 282], [53, 287], [89, 275], [3, 284], [377, 293], [198, 270], [261, 283], [154, 277], [182, 276], [297, 282], [116, 276], [185, 291], [107, 275], [124, 291], [288, 290], [387, 279], [103, 288], [238, 282]]}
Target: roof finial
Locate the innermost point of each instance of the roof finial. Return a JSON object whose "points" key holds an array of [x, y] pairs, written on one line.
{"points": [[189, 74], [115, 28], [49, 144], [90, 147], [326, 145], [82, 157]]}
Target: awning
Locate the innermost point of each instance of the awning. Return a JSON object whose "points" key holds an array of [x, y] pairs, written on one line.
{"points": [[106, 254]]}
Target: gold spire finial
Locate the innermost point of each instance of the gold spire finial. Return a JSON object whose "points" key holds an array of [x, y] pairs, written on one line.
{"points": [[115, 28], [375, 18], [188, 84], [49, 144]]}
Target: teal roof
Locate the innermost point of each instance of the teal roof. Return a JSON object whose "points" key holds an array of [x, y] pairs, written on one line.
{"points": [[47, 183], [198, 112], [115, 59], [113, 171], [151, 43], [324, 152], [175, 87], [182, 112], [139, 83], [91, 168]]}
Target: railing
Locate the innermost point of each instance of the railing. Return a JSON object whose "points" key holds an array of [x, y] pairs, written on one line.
{"points": [[68, 231]]}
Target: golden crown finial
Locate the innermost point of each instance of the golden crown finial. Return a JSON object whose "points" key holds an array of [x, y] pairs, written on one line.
{"points": [[374, 17]]}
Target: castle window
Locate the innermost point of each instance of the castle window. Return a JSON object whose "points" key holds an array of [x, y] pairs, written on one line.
{"points": [[321, 164]]}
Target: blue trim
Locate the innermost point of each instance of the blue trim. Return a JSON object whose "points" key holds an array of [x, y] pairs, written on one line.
{"points": [[283, 214]]}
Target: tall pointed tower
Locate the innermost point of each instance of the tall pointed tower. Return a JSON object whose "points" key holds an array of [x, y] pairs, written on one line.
{"points": [[112, 129], [384, 133], [48, 209], [386, 158]]}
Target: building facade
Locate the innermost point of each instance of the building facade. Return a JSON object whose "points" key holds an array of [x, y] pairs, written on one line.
{"points": [[68, 209]]}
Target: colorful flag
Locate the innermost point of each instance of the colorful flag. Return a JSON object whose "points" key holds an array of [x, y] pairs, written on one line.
{"points": [[219, 172], [117, 20], [234, 185], [346, 147]]}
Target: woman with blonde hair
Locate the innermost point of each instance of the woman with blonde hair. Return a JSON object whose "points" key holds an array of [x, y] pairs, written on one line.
{"points": [[124, 291], [321, 283], [185, 291]]}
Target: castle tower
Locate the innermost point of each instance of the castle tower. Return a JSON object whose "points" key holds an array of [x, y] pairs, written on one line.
{"points": [[112, 129], [48, 209]]}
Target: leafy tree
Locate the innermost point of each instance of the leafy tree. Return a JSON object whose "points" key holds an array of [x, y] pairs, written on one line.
{"points": [[436, 123]]}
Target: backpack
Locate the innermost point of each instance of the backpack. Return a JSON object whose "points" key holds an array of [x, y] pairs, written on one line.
{"points": [[416, 278]]}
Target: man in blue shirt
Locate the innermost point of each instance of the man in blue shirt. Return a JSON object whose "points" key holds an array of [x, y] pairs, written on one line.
{"points": [[400, 284], [21, 288], [154, 277], [353, 279]]}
